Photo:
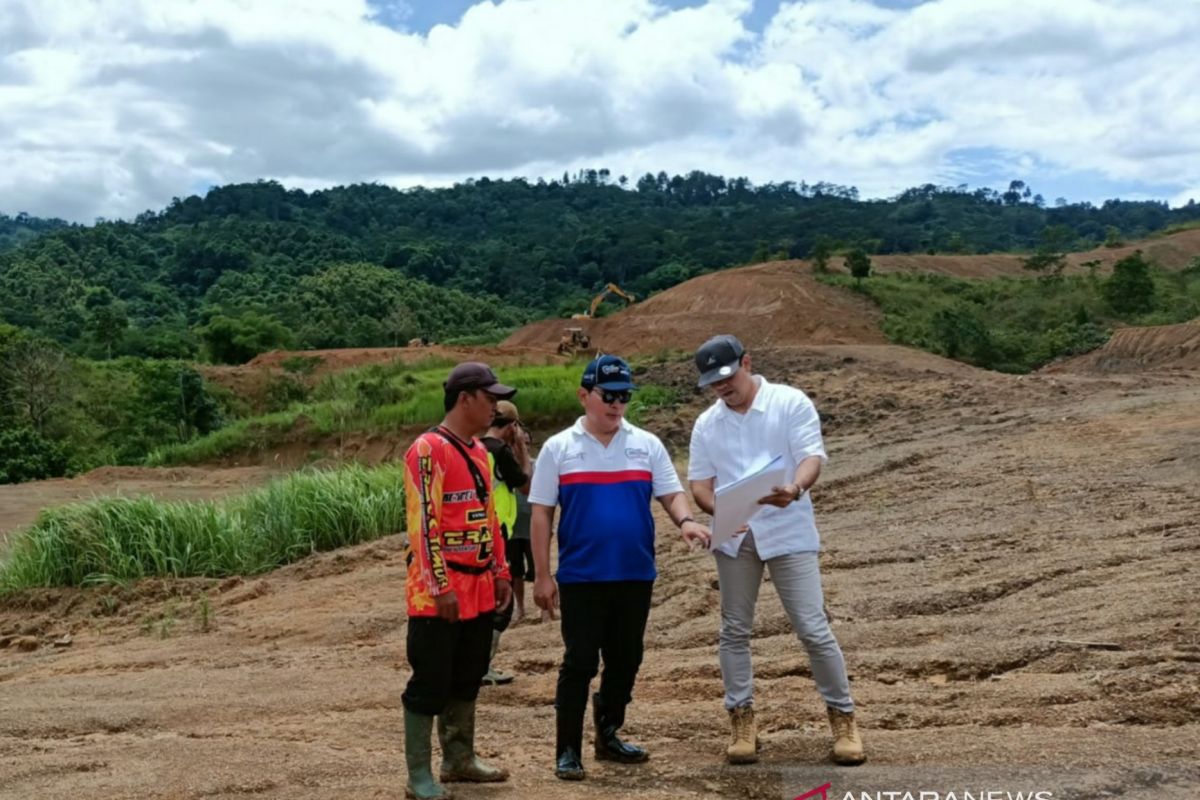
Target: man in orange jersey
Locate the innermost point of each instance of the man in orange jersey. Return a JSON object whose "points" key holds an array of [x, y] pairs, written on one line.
{"points": [[457, 579]]}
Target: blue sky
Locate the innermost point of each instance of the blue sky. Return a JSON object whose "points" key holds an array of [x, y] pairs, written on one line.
{"points": [[116, 106], [419, 17]]}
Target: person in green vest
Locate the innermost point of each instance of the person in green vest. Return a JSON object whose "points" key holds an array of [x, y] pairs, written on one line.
{"points": [[508, 452]]}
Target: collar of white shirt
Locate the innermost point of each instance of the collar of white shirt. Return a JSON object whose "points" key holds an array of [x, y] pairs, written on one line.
{"points": [[578, 428], [759, 404]]}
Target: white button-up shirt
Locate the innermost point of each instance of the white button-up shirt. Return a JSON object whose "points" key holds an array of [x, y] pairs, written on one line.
{"points": [[726, 445]]}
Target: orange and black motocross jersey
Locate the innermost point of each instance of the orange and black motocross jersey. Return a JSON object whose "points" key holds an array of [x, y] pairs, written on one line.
{"points": [[449, 527]]}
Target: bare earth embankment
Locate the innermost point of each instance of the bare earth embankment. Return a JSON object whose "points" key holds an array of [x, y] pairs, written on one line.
{"points": [[979, 531]]}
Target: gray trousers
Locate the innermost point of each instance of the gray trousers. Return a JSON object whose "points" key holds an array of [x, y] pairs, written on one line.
{"points": [[797, 580]]}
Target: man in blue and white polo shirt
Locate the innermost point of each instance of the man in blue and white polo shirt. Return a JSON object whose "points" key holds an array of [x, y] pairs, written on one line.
{"points": [[603, 472]]}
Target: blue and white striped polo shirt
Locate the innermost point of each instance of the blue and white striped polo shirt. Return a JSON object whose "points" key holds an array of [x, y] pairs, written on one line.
{"points": [[605, 530]]}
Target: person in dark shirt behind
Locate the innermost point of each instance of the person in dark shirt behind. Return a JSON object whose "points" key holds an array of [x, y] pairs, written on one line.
{"points": [[509, 453]]}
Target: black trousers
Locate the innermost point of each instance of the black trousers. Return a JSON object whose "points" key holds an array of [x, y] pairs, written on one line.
{"points": [[520, 559], [448, 661], [601, 620]]}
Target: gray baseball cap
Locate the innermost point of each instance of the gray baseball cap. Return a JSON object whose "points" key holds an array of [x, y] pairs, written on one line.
{"points": [[719, 358]]}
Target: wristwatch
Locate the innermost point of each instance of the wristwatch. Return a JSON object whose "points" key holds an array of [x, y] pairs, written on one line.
{"points": [[800, 490]]}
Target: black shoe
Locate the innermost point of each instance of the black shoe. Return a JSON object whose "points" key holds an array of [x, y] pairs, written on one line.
{"points": [[569, 766], [609, 747]]}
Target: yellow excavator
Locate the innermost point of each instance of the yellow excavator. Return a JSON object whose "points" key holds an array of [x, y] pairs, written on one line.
{"points": [[575, 341], [612, 288]]}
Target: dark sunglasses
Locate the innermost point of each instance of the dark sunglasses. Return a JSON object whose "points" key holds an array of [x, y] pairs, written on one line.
{"points": [[614, 397]]}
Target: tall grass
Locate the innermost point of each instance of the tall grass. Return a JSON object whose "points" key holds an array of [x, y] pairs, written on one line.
{"points": [[380, 398], [122, 539], [649, 396], [1179, 227], [244, 434]]}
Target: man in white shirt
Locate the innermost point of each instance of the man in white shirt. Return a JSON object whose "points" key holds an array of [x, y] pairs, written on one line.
{"points": [[751, 422], [603, 472]]}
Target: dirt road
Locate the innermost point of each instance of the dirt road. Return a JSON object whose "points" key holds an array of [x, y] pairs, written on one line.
{"points": [[975, 525]]}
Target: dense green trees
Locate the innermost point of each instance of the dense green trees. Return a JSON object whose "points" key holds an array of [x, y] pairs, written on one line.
{"points": [[98, 323], [960, 333], [822, 248], [59, 413], [1017, 325], [25, 455], [1050, 257], [1130, 289], [22, 228], [859, 263], [233, 340], [255, 266]]}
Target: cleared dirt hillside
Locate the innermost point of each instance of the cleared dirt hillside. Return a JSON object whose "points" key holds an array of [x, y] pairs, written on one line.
{"points": [[1010, 564], [774, 304], [780, 303], [1157, 347]]}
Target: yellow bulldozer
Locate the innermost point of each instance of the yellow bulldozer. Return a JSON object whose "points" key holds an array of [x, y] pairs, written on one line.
{"points": [[574, 342], [612, 288]]}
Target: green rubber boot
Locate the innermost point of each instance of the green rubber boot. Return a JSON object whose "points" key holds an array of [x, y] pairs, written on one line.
{"points": [[418, 753], [456, 730]]}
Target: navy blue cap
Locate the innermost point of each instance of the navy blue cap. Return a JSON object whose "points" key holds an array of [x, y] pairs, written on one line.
{"points": [[608, 372]]}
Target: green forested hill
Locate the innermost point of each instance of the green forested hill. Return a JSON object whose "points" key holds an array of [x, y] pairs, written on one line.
{"points": [[22, 228], [254, 266], [100, 324]]}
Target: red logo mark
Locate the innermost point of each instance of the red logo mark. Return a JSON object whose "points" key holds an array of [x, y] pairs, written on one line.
{"points": [[820, 790]]}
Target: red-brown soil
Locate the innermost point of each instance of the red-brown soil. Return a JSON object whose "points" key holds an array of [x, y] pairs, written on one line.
{"points": [[1159, 347], [780, 303], [1010, 564], [979, 530], [774, 304], [1174, 251]]}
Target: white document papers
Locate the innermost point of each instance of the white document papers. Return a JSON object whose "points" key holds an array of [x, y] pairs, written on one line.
{"points": [[737, 502]]}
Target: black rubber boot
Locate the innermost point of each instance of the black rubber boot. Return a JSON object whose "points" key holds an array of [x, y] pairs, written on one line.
{"points": [[609, 746], [568, 746]]}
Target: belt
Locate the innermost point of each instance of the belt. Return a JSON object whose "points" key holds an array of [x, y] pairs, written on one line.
{"points": [[470, 570], [467, 568]]}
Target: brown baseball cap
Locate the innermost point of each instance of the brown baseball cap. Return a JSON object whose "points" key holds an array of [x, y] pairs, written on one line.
{"points": [[508, 411], [475, 375]]}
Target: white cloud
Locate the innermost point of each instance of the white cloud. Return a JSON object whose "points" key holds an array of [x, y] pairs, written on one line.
{"points": [[114, 106], [1191, 195]]}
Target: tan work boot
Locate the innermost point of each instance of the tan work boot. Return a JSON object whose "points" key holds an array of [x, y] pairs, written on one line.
{"points": [[847, 743], [743, 747]]}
